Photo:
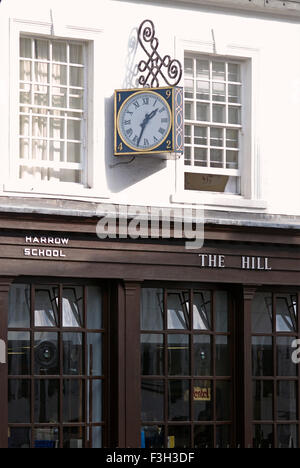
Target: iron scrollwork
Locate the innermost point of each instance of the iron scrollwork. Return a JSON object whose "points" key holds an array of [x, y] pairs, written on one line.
{"points": [[155, 65]]}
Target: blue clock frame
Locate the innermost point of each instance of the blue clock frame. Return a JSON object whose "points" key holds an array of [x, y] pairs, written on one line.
{"points": [[174, 141]]}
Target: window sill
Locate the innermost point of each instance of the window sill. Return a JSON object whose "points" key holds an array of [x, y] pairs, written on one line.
{"points": [[49, 190], [216, 200]]}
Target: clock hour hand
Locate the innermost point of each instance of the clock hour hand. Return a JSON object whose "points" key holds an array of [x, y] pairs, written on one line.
{"points": [[145, 122]]}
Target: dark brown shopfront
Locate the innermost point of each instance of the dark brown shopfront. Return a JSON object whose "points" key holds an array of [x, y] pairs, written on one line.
{"points": [[145, 344]]}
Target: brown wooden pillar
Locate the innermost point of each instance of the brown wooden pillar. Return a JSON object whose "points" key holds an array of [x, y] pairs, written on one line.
{"points": [[248, 295], [129, 365], [5, 284]]}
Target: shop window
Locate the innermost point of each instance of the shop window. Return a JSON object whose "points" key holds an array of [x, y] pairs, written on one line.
{"points": [[56, 366], [187, 375], [275, 325]]}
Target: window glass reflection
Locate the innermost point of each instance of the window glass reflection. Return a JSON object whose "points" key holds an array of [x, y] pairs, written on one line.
{"points": [[153, 394], [262, 313], [46, 307], [19, 353], [19, 306], [286, 313], [152, 437], [222, 356], [223, 400], [94, 354], [202, 311], [19, 438], [179, 354], [46, 438], [94, 401], [94, 308], [223, 434], [46, 401], [179, 400], [202, 355], [152, 309], [72, 304], [263, 436], [285, 365], [179, 437], [221, 311], [287, 398], [73, 360], [204, 437], [287, 435], [263, 394], [19, 392], [178, 310], [73, 399], [262, 356], [46, 354], [152, 354], [73, 438]]}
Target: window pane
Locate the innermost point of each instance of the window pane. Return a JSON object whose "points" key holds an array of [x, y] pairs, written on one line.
{"points": [[153, 437], [203, 113], [59, 51], [221, 311], [39, 150], [73, 401], [74, 153], [202, 311], [76, 99], [287, 435], [202, 69], [178, 310], [19, 306], [76, 54], [74, 130], [76, 76], [285, 365], [179, 400], [179, 437], [203, 90], [232, 159], [202, 355], [94, 401], [73, 438], [46, 404], [25, 47], [94, 344], [219, 114], [187, 156], [234, 115], [189, 111], [59, 74], [189, 67], [287, 399], [204, 437], [200, 136], [200, 157], [234, 94], [47, 438], [59, 97], [286, 313], [73, 359], [19, 438], [152, 309], [216, 158], [223, 398], [24, 149], [263, 436], [152, 354], [187, 134], [19, 353], [189, 89], [179, 354], [223, 436], [223, 356], [46, 307], [57, 129], [262, 313], [203, 400], [219, 92], [25, 70], [39, 127], [263, 392], [72, 307], [233, 72], [153, 394], [41, 49], [216, 137], [97, 434], [94, 308], [19, 394], [262, 356], [232, 138], [218, 71], [46, 353], [41, 72]]}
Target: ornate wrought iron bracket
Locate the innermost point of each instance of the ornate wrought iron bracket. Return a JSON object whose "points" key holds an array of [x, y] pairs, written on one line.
{"points": [[156, 67]]}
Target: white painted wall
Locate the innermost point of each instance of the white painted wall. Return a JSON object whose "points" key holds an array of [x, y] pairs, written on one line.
{"points": [[151, 181]]}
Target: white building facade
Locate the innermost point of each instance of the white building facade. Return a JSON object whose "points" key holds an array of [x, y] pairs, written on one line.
{"points": [[77, 309]]}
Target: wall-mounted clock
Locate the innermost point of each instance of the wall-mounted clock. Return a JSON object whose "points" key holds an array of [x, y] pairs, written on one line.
{"points": [[149, 121]]}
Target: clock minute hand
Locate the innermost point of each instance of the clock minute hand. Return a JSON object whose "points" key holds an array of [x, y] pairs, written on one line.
{"points": [[143, 125]]}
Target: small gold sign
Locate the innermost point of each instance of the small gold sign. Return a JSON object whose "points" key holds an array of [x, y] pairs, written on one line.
{"points": [[202, 394]]}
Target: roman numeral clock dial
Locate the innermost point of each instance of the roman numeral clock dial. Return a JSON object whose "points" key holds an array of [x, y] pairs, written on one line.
{"points": [[144, 121]]}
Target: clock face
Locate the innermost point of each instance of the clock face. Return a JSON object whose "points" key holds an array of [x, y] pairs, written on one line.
{"points": [[144, 121]]}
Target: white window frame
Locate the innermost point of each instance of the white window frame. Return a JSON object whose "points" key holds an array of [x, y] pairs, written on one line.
{"points": [[95, 171], [250, 196]]}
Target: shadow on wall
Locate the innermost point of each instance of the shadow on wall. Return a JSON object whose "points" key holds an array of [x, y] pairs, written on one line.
{"points": [[122, 172]]}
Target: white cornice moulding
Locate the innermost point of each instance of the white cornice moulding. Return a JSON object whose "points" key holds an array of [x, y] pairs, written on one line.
{"points": [[277, 7]]}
